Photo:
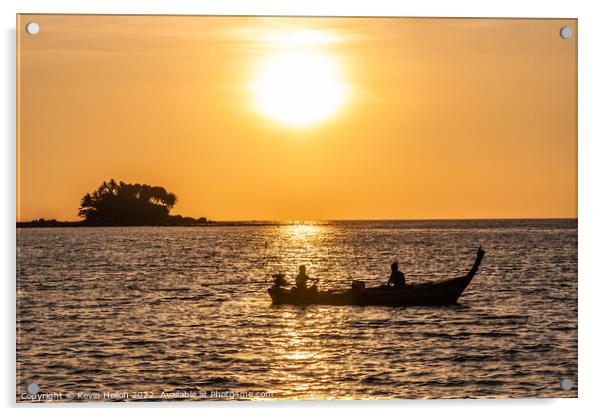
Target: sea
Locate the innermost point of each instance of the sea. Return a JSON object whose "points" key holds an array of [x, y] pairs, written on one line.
{"points": [[183, 313]]}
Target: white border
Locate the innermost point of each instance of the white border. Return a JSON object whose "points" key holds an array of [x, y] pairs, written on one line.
{"points": [[590, 134]]}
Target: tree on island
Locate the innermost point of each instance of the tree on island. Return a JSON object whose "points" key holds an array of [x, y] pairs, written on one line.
{"points": [[127, 204]]}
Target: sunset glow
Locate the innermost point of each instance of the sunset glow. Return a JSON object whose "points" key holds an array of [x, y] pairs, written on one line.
{"points": [[301, 83], [239, 208], [300, 119], [299, 88]]}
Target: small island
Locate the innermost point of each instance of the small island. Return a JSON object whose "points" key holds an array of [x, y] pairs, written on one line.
{"points": [[124, 204]]}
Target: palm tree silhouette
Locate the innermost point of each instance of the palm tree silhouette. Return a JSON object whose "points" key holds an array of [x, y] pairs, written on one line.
{"points": [[127, 204]]}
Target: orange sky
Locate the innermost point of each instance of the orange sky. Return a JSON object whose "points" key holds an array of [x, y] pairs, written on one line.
{"points": [[442, 118]]}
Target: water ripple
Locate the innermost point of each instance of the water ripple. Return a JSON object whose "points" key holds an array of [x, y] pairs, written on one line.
{"points": [[185, 309]]}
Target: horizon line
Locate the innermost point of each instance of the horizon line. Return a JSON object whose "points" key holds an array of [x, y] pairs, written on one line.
{"points": [[356, 219]]}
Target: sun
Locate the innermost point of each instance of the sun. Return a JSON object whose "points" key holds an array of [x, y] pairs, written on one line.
{"points": [[299, 88]]}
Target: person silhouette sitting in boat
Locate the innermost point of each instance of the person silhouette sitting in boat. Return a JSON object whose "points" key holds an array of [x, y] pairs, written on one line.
{"points": [[397, 278], [302, 279]]}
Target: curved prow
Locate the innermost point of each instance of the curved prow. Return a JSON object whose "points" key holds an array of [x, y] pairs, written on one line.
{"points": [[477, 263]]}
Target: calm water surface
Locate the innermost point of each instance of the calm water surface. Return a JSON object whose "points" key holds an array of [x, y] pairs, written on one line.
{"points": [[170, 309]]}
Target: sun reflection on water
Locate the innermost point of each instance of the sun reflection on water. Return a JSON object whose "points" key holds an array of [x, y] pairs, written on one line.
{"points": [[195, 313], [302, 231]]}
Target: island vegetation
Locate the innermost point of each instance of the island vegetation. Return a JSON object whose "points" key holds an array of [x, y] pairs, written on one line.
{"points": [[124, 204]]}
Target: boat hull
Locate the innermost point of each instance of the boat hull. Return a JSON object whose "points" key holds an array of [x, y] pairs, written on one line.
{"points": [[446, 292]]}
